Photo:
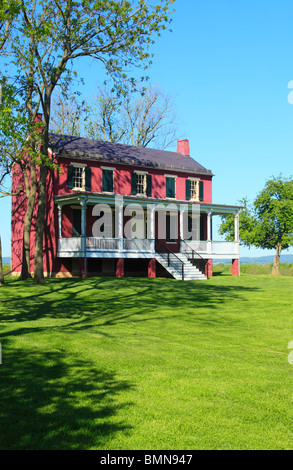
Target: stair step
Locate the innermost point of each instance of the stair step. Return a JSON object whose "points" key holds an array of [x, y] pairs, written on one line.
{"points": [[191, 272]]}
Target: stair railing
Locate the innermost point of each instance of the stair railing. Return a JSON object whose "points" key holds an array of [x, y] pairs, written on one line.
{"points": [[171, 257], [194, 255]]}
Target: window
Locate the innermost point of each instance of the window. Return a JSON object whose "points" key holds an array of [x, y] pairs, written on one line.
{"points": [[108, 180], [170, 187], [194, 189], [79, 177], [141, 183]]}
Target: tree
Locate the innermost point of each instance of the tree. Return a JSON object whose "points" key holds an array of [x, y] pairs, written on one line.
{"points": [[268, 223], [46, 37], [69, 114], [138, 118], [16, 148]]}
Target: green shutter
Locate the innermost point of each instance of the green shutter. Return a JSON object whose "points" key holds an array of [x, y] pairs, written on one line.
{"points": [[201, 190], [170, 187], [133, 183], [187, 190], [88, 178], [149, 185], [108, 181], [70, 171]]}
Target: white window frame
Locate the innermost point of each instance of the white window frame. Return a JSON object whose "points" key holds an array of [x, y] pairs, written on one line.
{"points": [[195, 196], [82, 167], [144, 174]]}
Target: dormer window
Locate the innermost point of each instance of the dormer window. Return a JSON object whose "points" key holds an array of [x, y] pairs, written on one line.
{"points": [[79, 177]]}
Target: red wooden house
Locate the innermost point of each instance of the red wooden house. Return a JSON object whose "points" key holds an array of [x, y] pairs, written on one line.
{"points": [[106, 185]]}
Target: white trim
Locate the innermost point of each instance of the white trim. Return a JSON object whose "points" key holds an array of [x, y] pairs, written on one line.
{"points": [[193, 179], [78, 165], [171, 176], [138, 172], [107, 168]]}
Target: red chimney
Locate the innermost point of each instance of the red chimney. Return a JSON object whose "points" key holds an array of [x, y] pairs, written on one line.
{"points": [[183, 147], [39, 117]]}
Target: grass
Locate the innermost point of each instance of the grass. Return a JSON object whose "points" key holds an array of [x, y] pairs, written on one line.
{"points": [[286, 269], [153, 364]]}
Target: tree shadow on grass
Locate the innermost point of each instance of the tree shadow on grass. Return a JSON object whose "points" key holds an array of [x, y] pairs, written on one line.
{"points": [[109, 301], [49, 400]]}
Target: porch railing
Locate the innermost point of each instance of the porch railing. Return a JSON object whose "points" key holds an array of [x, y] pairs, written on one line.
{"points": [[206, 247], [74, 244]]}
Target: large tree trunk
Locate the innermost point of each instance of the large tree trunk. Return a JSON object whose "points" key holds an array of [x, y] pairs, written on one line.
{"points": [[31, 198], [1, 267], [39, 266], [276, 265]]}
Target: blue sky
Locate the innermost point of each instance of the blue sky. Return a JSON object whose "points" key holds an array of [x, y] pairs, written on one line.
{"points": [[228, 65]]}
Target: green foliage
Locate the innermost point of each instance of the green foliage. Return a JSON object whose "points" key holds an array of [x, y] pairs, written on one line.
{"points": [[269, 221]]}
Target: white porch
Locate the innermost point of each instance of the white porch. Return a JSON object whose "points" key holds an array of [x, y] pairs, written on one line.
{"points": [[84, 246], [140, 248]]}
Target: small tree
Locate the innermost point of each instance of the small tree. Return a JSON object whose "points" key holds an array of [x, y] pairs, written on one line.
{"points": [[268, 223]]}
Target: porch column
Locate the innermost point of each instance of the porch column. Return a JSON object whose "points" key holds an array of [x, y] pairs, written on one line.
{"points": [[83, 235], [209, 268], [236, 227], [120, 267], [181, 221], [209, 232], [235, 267], [59, 221], [209, 227], [152, 268], [151, 233], [119, 232]]}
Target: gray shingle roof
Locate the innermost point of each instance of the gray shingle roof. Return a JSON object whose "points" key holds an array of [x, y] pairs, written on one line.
{"points": [[88, 149]]}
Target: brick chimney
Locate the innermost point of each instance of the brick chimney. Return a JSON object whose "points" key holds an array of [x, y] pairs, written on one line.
{"points": [[183, 147]]}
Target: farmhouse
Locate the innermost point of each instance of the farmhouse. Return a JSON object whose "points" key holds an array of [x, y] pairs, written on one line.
{"points": [[120, 210]]}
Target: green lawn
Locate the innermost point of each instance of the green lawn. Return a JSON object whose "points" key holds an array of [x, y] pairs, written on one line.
{"points": [[152, 364]]}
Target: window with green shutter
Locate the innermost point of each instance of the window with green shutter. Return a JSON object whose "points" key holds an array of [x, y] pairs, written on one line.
{"points": [[108, 181], [187, 189], [170, 187]]}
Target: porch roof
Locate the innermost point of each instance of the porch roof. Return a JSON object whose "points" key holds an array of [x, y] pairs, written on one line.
{"points": [[95, 198]]}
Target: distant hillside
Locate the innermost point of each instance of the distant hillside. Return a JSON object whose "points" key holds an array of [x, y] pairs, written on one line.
{"points": [[259, 260]]}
